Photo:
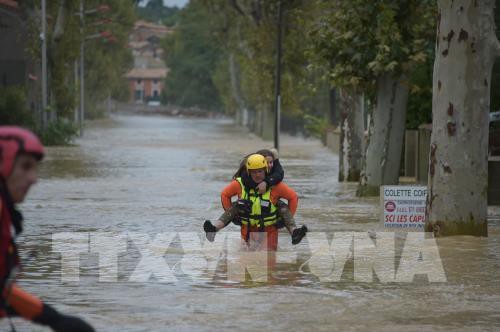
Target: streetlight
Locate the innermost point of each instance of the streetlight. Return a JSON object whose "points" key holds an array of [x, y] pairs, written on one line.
{"points": [[277, 110], [82, 13], [82, 70], [43, 37]]}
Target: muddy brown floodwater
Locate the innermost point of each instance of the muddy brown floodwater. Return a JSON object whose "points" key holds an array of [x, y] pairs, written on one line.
{"points": [[153, 174]]}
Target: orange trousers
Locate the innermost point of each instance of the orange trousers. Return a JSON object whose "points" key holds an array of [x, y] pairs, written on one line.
{"points": [[268, 239]]}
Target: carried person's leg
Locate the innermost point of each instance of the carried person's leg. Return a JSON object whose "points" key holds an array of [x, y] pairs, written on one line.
{"points": [[289, 222], [225, 219], [286, 215]]}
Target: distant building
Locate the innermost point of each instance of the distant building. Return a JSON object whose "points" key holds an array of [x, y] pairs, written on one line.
{"points": [[146, 79], [144, 30], [146, 83]]}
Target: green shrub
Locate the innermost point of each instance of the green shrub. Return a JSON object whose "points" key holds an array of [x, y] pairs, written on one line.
{"points": [[316, 126], [13, 109], [95, 111], [59, 132]]}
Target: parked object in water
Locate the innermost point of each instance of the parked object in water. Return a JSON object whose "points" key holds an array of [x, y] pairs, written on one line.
{"points": [[154, 103]]}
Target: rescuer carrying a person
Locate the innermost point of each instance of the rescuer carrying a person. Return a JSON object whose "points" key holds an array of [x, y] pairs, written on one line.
{"points": [[256, 212]]}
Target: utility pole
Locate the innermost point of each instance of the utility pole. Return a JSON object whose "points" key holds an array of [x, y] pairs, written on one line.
{"points": [[76, 115], [106, 34], [82, 69], [277, 111], [43, 37]]}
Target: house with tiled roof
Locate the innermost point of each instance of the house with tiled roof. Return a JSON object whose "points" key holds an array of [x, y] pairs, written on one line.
{"points": [[146, 83], [146, 79]]}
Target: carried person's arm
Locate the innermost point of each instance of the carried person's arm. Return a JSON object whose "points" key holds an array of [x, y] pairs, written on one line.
{"points": [[277, 174]]}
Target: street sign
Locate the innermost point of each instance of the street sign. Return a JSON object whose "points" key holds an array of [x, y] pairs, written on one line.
{"points": [[403, 207]]}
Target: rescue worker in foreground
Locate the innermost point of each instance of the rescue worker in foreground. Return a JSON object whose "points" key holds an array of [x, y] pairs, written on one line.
{"points": [[256, 212], [20, 153]]}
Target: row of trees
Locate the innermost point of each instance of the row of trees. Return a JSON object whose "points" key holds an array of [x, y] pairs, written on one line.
{"points": [[106, 60], [392, 57], [378, 53], [223, 56], [373, 48], [155, 11]]}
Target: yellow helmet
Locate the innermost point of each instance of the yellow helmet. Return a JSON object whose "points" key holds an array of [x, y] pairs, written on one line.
{"points": [[256, 161]]}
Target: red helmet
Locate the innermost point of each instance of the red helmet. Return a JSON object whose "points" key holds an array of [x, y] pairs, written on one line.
{"points": [[16, 140]]}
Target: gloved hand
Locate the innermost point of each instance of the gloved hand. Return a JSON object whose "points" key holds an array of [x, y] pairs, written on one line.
{"points": [[73, 324], [209, 230], [61, 323], [244, 207]]}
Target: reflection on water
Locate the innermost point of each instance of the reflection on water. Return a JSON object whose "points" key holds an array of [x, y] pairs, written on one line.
{"points": [[154, 175]]}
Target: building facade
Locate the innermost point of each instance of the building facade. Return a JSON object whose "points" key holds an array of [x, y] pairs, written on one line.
{"points": [[146, 84], [146, 79]]}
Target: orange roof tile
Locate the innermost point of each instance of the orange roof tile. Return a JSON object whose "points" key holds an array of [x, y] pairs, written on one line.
{"points": [[145, 73], [152, 26], [9, 3]]}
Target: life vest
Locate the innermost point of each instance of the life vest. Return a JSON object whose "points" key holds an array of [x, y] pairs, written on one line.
{"points": [[10, 226], [263, 212]]}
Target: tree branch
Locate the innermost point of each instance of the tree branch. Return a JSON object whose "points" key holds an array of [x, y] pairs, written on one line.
{"points": [[256, 11], [59, 26], [236, 6]]}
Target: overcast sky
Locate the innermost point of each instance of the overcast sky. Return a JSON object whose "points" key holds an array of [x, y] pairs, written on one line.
{"points": [[178, 3], [171, 3]]}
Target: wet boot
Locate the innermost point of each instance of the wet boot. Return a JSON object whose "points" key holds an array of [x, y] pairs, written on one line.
{"points": [[210, 230], [298, 234]]}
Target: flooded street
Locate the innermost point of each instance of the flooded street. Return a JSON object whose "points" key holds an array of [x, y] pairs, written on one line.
{"points": [[155, 174]]}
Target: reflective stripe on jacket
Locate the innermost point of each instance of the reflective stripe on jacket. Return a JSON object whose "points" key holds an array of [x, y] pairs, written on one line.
{"points": [[263, 212]]}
